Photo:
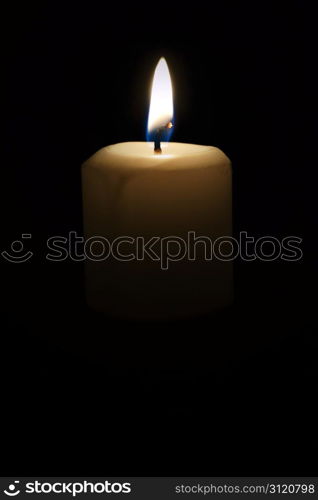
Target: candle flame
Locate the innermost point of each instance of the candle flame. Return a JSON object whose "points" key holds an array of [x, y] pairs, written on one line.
{"points": [[161, 102]]}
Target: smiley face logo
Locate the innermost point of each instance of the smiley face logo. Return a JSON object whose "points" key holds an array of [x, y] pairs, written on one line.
{"points": [[12, 489], [17, 251]]}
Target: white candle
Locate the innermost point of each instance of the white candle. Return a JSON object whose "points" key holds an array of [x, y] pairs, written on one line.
{"points": [[130, 191]]}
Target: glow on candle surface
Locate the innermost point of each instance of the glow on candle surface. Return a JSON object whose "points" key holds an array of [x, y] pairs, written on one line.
{"points": [[128, 190]]}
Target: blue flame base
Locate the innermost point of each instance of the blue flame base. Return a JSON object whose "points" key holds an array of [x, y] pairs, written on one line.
{"points": [[165, 135]]}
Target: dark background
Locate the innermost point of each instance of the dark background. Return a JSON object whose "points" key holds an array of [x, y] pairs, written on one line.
{"points": [[233, 394]]}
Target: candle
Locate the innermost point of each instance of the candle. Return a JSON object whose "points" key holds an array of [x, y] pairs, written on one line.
{"points": [[152, 211]]}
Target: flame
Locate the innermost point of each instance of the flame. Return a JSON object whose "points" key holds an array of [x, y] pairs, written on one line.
{"points": [[161, 102]]}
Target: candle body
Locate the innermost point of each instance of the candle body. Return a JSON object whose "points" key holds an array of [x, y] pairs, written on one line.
{"points": [[179, 195]]}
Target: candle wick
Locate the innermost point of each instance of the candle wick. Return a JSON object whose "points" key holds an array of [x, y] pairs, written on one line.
{"points": [[157, 147], [158, 135]]}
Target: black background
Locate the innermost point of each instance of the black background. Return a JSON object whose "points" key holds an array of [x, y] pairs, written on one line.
{"points": [[233, 394]]}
